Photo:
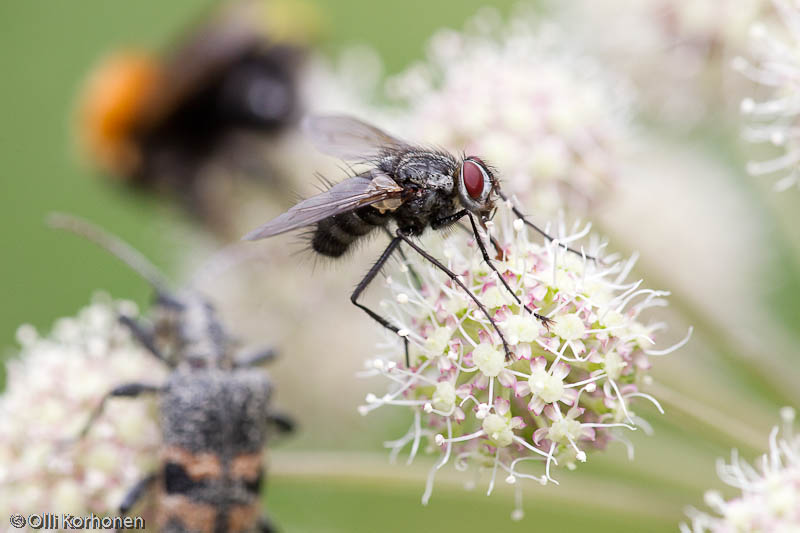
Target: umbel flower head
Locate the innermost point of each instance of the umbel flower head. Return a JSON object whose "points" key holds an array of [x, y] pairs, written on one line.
{"points": [[553, 119], [770, 489], [53, 385], [562, 394], [677, 53], [775, 65]]}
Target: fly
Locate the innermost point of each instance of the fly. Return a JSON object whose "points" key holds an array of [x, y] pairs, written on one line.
{"points": [[413, 187]]}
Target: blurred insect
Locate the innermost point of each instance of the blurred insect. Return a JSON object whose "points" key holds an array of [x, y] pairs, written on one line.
{"points": [[215, 410], [413, 187], [164, 123]]}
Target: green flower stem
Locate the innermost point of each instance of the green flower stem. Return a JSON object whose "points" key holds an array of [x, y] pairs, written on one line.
{"points": [[732, 428]]}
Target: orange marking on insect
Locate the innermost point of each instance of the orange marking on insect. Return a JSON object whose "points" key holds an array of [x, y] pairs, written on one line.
{"points": [[247, 466], [243, 517], [197, 466], [113, 106], [193, 516]]}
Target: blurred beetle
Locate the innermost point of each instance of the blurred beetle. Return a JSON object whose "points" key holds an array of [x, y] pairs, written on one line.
{"points": [[165, 123], [215, 408]]}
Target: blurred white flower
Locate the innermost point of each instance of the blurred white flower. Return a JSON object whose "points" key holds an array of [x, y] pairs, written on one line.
{"points": [[551, 119], [676, 52], [775, 66], [53, 385], [770, 490], [562, 393]]}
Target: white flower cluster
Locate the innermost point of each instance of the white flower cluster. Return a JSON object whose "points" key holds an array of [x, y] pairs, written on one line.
{"points": [[54, 383], [774, 121], [565, 390], [676, 53], [552, 119], [770, 490]]}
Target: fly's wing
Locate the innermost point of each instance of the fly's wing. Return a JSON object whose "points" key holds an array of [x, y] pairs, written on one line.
{"points": [[352, 193], [348, 138]]}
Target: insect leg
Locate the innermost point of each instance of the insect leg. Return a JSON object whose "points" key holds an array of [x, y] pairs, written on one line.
{"points": [[283, 422], [256, 358], [265, 525], [135, 493], [453, 277], [546, 321], [530, 224], [146, 338], [127, 390], [414, 275], [395, 242], [496, 245]]}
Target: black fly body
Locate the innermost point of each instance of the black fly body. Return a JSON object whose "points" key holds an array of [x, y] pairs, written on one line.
{"points": [[215, 408], [410, 187]]}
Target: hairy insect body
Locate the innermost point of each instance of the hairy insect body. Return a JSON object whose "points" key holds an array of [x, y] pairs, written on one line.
{"points": [[429, 194], [333, 236], [212, 466], [215, 409], [413, 187]]}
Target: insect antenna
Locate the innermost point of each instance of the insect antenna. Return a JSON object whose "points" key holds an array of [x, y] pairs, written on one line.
{"points": [[113, 245]]}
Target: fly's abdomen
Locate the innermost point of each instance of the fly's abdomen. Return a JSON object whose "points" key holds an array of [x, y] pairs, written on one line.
{"points": [[333, 236]]}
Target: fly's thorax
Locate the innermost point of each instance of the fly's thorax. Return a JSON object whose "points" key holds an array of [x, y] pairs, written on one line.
{"points": [[423, 169]]}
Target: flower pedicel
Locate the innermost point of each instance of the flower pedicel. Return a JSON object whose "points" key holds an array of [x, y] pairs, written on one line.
{"points": [[53, 387]]}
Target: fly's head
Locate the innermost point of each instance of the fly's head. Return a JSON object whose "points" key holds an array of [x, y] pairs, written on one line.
{"points": [[477, 187]]}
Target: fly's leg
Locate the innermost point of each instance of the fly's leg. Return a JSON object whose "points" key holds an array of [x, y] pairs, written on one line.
{"points": [[544, 234], [417, 279], [547, 322], [448, 220], [457, 216], [364, 283], [453, 277]]}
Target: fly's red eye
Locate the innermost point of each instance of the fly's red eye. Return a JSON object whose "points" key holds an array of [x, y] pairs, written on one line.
{"points": [[472, 175]]}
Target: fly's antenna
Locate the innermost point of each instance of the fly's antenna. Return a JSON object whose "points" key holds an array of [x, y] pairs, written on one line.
{"points": [[113, 245]]}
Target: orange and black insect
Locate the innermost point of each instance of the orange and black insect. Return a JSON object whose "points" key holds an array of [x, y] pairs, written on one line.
{"points": [[215, 408], [160, 122]]}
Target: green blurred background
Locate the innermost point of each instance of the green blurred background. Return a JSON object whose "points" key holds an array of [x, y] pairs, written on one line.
{"points": [[46, 49]]}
